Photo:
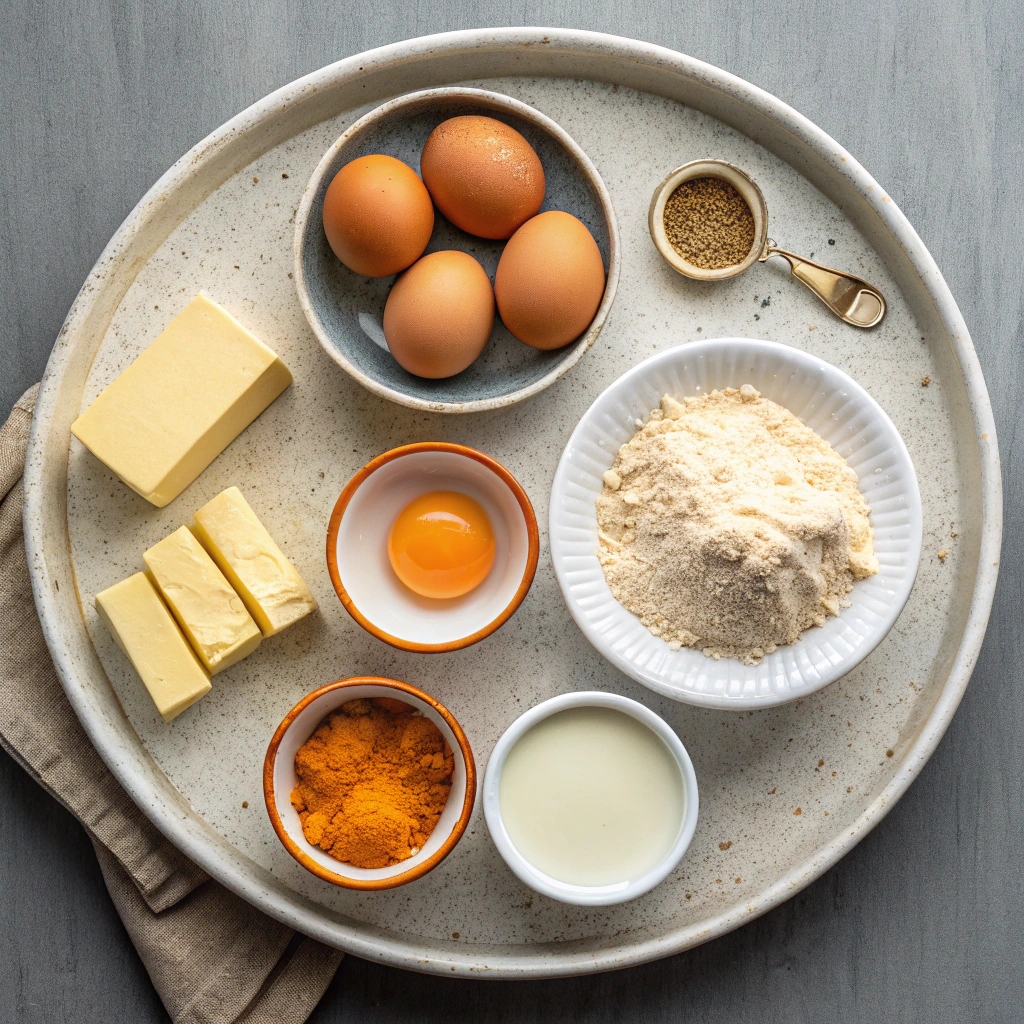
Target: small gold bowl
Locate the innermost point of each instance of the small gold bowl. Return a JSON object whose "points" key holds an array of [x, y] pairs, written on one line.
{"points": [[724, 172]]}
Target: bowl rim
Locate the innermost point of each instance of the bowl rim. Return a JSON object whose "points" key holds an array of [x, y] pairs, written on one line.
{"points": [[496, 102], [588, 896], [708, 168], [345, 881], [640, 673], [532, 536]]}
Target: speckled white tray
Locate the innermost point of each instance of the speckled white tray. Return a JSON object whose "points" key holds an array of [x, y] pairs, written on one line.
{"points": [[784, 792]]}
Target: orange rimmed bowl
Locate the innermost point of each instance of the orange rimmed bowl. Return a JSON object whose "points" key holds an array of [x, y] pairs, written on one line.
{"points": [[357, 538], [279, 780]]}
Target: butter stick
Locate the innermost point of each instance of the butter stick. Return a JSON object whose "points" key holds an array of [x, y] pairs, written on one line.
{"points": [[147, 633], [267, 582], [210, 613], [187, 396]]}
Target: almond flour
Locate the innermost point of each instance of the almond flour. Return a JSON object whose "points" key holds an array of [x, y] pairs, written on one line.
{"points": [[728, 525]]}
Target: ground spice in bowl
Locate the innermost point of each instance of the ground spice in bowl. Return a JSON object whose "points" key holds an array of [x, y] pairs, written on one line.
{"points": [[374, 779], [709, 224]]}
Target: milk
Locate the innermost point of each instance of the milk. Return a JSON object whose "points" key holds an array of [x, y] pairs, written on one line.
{"points": [[590, 796]]}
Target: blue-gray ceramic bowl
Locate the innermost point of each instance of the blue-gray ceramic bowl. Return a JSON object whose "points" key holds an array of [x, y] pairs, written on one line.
{"points": [[346, 310]]}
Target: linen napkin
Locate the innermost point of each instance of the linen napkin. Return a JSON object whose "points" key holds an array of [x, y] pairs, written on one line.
{"points": [[212, 957]]}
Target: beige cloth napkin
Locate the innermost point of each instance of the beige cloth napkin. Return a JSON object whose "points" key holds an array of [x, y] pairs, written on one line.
{"points": [[213, 958]]}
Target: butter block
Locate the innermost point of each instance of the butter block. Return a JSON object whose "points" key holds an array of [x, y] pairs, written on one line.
{"points": [[189, 394], [210, 613], [147, 633], [266, 581]]}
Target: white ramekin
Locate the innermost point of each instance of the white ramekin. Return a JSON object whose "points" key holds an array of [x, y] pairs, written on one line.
{"points": [[584, 895]]}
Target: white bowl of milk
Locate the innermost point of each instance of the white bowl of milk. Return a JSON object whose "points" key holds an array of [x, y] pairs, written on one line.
{"points": [[590, 798]]}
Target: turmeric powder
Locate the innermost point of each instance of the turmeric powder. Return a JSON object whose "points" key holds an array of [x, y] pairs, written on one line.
{"points": [[373, 780]]}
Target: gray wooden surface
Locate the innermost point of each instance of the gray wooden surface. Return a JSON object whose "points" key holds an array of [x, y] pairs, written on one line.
{"points": [[924, 921]]}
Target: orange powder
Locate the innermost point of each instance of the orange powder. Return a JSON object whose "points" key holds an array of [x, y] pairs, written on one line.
{"points": [[373, 780]]}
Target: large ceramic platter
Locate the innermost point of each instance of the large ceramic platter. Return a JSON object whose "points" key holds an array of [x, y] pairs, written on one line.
{"points": [[785, 792]]}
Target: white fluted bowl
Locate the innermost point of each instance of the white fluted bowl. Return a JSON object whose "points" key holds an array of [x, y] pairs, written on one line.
{"points": [[829, 402]]}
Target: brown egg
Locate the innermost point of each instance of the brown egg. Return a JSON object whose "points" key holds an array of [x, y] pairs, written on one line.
{"points": [[483, 175], [439, 314], [550, 280], [377, 216]]}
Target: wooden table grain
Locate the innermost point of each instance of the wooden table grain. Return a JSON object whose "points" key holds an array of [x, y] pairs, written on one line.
{"points": [[924, 921]]}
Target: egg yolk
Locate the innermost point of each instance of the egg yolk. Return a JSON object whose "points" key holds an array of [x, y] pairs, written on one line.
{"points": [[442, 545]]}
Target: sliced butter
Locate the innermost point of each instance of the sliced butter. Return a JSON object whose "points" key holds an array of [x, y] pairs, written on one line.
{"points": [[210, 613], [182, 402], [149, 636], [267, 582]]}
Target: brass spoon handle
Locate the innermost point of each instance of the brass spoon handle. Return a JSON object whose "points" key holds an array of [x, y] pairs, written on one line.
{"points": [[850, 298]]}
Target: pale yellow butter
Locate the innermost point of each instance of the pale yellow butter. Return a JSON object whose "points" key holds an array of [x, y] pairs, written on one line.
{"points": [[147, 633], [267, 582], [210, 613], [189, 394]]}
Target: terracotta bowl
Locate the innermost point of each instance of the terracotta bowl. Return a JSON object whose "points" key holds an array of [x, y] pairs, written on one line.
{"points": [[279, 780], [357, 557]]}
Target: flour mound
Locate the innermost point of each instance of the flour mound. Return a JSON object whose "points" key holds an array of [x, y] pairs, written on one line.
{"points": [[727, 524]]}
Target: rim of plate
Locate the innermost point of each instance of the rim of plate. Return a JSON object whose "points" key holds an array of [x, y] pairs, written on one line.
{"points": [[822, 654], [497, 102], [221, 154]]}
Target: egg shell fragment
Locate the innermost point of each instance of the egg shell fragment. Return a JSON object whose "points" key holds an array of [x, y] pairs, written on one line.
{"points": [[439, 314], [550, 280], [377, 216], [483, 175]]}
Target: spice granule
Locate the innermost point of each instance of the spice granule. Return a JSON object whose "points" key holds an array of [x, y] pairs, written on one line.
{"points": [[709, 223]]}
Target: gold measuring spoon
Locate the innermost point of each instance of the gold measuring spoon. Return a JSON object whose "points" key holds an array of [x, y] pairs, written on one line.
{"points": [[849, 297]]}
